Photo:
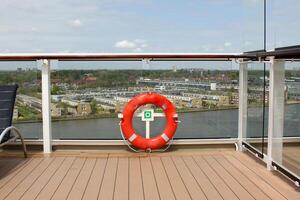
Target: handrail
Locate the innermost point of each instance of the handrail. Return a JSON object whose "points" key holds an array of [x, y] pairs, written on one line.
{"points": [[122, 56], [286, 53]]}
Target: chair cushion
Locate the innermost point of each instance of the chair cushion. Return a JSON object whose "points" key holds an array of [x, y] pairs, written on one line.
{"points": [[7, 102]]}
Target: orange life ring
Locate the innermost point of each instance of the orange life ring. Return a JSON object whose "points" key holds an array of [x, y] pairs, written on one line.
{"points": [[156, 142]]}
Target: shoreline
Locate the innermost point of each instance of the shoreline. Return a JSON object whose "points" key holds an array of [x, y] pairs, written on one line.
{"points": [[115, 115]]}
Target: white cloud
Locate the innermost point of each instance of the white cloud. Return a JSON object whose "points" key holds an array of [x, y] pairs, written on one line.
{"points": [[138, 44], [227, 44], [125, 44], [75, 23]]}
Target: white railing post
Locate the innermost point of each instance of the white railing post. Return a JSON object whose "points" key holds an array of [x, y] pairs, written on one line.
{"points": [[276, 112], [243, 102], [46, 106]]}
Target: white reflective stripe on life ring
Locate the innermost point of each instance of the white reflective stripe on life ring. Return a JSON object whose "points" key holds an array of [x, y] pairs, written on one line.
{"points": [[165, 137], [132, 137]]}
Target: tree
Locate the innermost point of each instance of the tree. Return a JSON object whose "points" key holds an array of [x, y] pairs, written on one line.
{"points": [[94, 107]]}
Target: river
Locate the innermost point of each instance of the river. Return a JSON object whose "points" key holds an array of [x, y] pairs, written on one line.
{"points": [[209, 124]]}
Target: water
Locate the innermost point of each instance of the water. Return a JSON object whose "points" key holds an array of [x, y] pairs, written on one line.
{"points": [[210, 124]]}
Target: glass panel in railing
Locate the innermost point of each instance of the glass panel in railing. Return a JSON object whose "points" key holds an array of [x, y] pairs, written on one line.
{"points": [[84, 95], [205, 95], [27, 111], [283, 23], [257, 121], [89, 95], [291, 140], [251, 31]]}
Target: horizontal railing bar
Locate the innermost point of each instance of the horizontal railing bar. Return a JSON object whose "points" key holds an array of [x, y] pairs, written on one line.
{"points": [[176, 141], [121, 56], [121, 142], [288, 53], [285, 53]]}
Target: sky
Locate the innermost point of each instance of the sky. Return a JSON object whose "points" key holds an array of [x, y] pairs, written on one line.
{"points": [[145, 26]]}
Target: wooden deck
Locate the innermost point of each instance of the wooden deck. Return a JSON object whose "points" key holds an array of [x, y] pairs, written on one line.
{"points": [[198, 175], [291, 158]]}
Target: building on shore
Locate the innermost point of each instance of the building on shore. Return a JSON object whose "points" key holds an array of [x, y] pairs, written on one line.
{"points": [[77, 108]]}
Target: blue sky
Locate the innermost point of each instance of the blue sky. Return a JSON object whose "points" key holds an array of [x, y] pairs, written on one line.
{"points": [[129, 26], [145, 25]]}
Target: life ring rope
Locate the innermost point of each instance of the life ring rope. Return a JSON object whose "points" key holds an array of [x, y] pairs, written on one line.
{"points": [[138, 151]]}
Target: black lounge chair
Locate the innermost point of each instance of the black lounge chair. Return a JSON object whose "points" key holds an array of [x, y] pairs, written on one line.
{"points": [[8, 133]]}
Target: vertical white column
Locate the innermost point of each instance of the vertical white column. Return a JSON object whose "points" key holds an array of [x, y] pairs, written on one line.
{"points": [[46, 106], [147, 129], [276, 112], [243, 102]]}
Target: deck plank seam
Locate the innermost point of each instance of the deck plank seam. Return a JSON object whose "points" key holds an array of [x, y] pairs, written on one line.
{"points": [[24, 178], [87, 183], [6, 169], [196, 164], [248, 178], [194, 160], [50, 178], [154, 177], [220, 177], [142, 178], [49, 164], [63, 177], [165, 171], [248, 159], [106, 161], [234, 177], [189, 170], [181, 177], [17, 172], [116, 175], [261, 177], [76, 178]]}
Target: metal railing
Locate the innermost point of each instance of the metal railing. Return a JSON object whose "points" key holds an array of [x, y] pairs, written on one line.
{"points": [[275, 58]]}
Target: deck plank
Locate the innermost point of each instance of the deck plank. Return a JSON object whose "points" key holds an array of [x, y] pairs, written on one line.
{"points": [[9, 165], [66, 185], [121, 188], [163, 183], [108, 184], [136, 190], [38, 185], [79, 186], [278, 183], [210, 191], [13, 172], [235, 186], [191, 184], [291, 163], [30, 179], [48, 190], [19, 177], [218, 183], [149, 182], [257, 180], [178, 186], [241, 178], [200, 175], [93, 187]]}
